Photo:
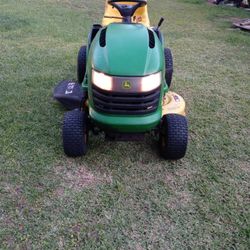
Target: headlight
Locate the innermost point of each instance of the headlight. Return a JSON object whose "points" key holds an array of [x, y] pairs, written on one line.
{"points": [[150, 82], [133, 84], [102, 81]]}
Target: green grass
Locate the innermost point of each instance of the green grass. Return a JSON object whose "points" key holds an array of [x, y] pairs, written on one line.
{"points": [[123, 195]]}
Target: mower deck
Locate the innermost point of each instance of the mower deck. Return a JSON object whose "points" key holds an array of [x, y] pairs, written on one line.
{"points": [[173, 104]]}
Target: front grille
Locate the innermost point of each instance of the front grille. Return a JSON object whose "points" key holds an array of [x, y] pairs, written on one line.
{"points": [[125, 103]]}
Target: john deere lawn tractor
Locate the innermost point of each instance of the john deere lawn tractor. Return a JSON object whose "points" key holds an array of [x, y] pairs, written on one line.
{"points": [[124, 75]]}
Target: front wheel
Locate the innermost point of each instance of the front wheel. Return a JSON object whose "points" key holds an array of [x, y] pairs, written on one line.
{"points": [[169, 66], [81, 64], [75, 133], [173, 136]]}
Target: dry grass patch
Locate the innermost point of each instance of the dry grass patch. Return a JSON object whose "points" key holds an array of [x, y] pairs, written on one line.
{"points": [[79, 178], [16, 195], [180, 200], [244, 166], [178, 179], [177, 183]]}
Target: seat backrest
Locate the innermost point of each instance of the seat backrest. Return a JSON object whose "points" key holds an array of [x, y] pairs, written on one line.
{"points": [[140, 16]]}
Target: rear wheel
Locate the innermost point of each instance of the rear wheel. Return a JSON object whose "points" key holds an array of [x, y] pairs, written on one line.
{"points": [[75, 133], [173, 136], [169, 66], [81, 63]]}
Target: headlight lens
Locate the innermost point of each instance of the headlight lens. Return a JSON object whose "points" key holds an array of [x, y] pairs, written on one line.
{"points": [[140, 84], [150, 82], [102, 81]]}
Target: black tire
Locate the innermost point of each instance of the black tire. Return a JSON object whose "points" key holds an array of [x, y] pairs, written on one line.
{"points": [[173, 136], [81, 63], [75, 133], [169, 66]]}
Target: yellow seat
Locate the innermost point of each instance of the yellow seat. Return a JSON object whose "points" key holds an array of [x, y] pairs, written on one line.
{"points": [[140, 16]]}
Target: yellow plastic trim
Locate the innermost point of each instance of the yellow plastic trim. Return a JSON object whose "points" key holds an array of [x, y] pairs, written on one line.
{"points": [[141, 15], [173, 104]]}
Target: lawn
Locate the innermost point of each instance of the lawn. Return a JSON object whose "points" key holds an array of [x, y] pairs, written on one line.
{"points": [[123, 195]]}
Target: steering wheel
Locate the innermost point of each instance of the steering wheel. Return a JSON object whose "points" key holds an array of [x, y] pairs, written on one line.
{"points": [[127, 11], [132, 1]]}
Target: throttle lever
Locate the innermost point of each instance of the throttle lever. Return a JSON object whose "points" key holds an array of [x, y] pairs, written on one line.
{"points": [[160, 23]]}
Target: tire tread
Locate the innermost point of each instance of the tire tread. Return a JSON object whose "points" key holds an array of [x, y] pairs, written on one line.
{"points": [[169, 66], [74, 132], [174, 131], [81, 64]]}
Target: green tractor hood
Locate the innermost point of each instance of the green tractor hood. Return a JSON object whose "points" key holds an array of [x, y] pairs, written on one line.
{"points": [[126, 50]]}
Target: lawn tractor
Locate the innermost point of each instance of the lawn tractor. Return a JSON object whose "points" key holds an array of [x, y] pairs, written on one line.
{"points": [[124, 74]]}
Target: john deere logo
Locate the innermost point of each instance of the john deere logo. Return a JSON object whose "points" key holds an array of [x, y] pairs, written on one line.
{"points": [[127, 85]]}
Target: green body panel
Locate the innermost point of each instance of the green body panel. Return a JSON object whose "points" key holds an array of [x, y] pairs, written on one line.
{"points": [[127, 53], [125, 124]]}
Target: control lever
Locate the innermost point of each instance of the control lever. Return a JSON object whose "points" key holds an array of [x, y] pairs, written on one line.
{"points": [[160, 23]]}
